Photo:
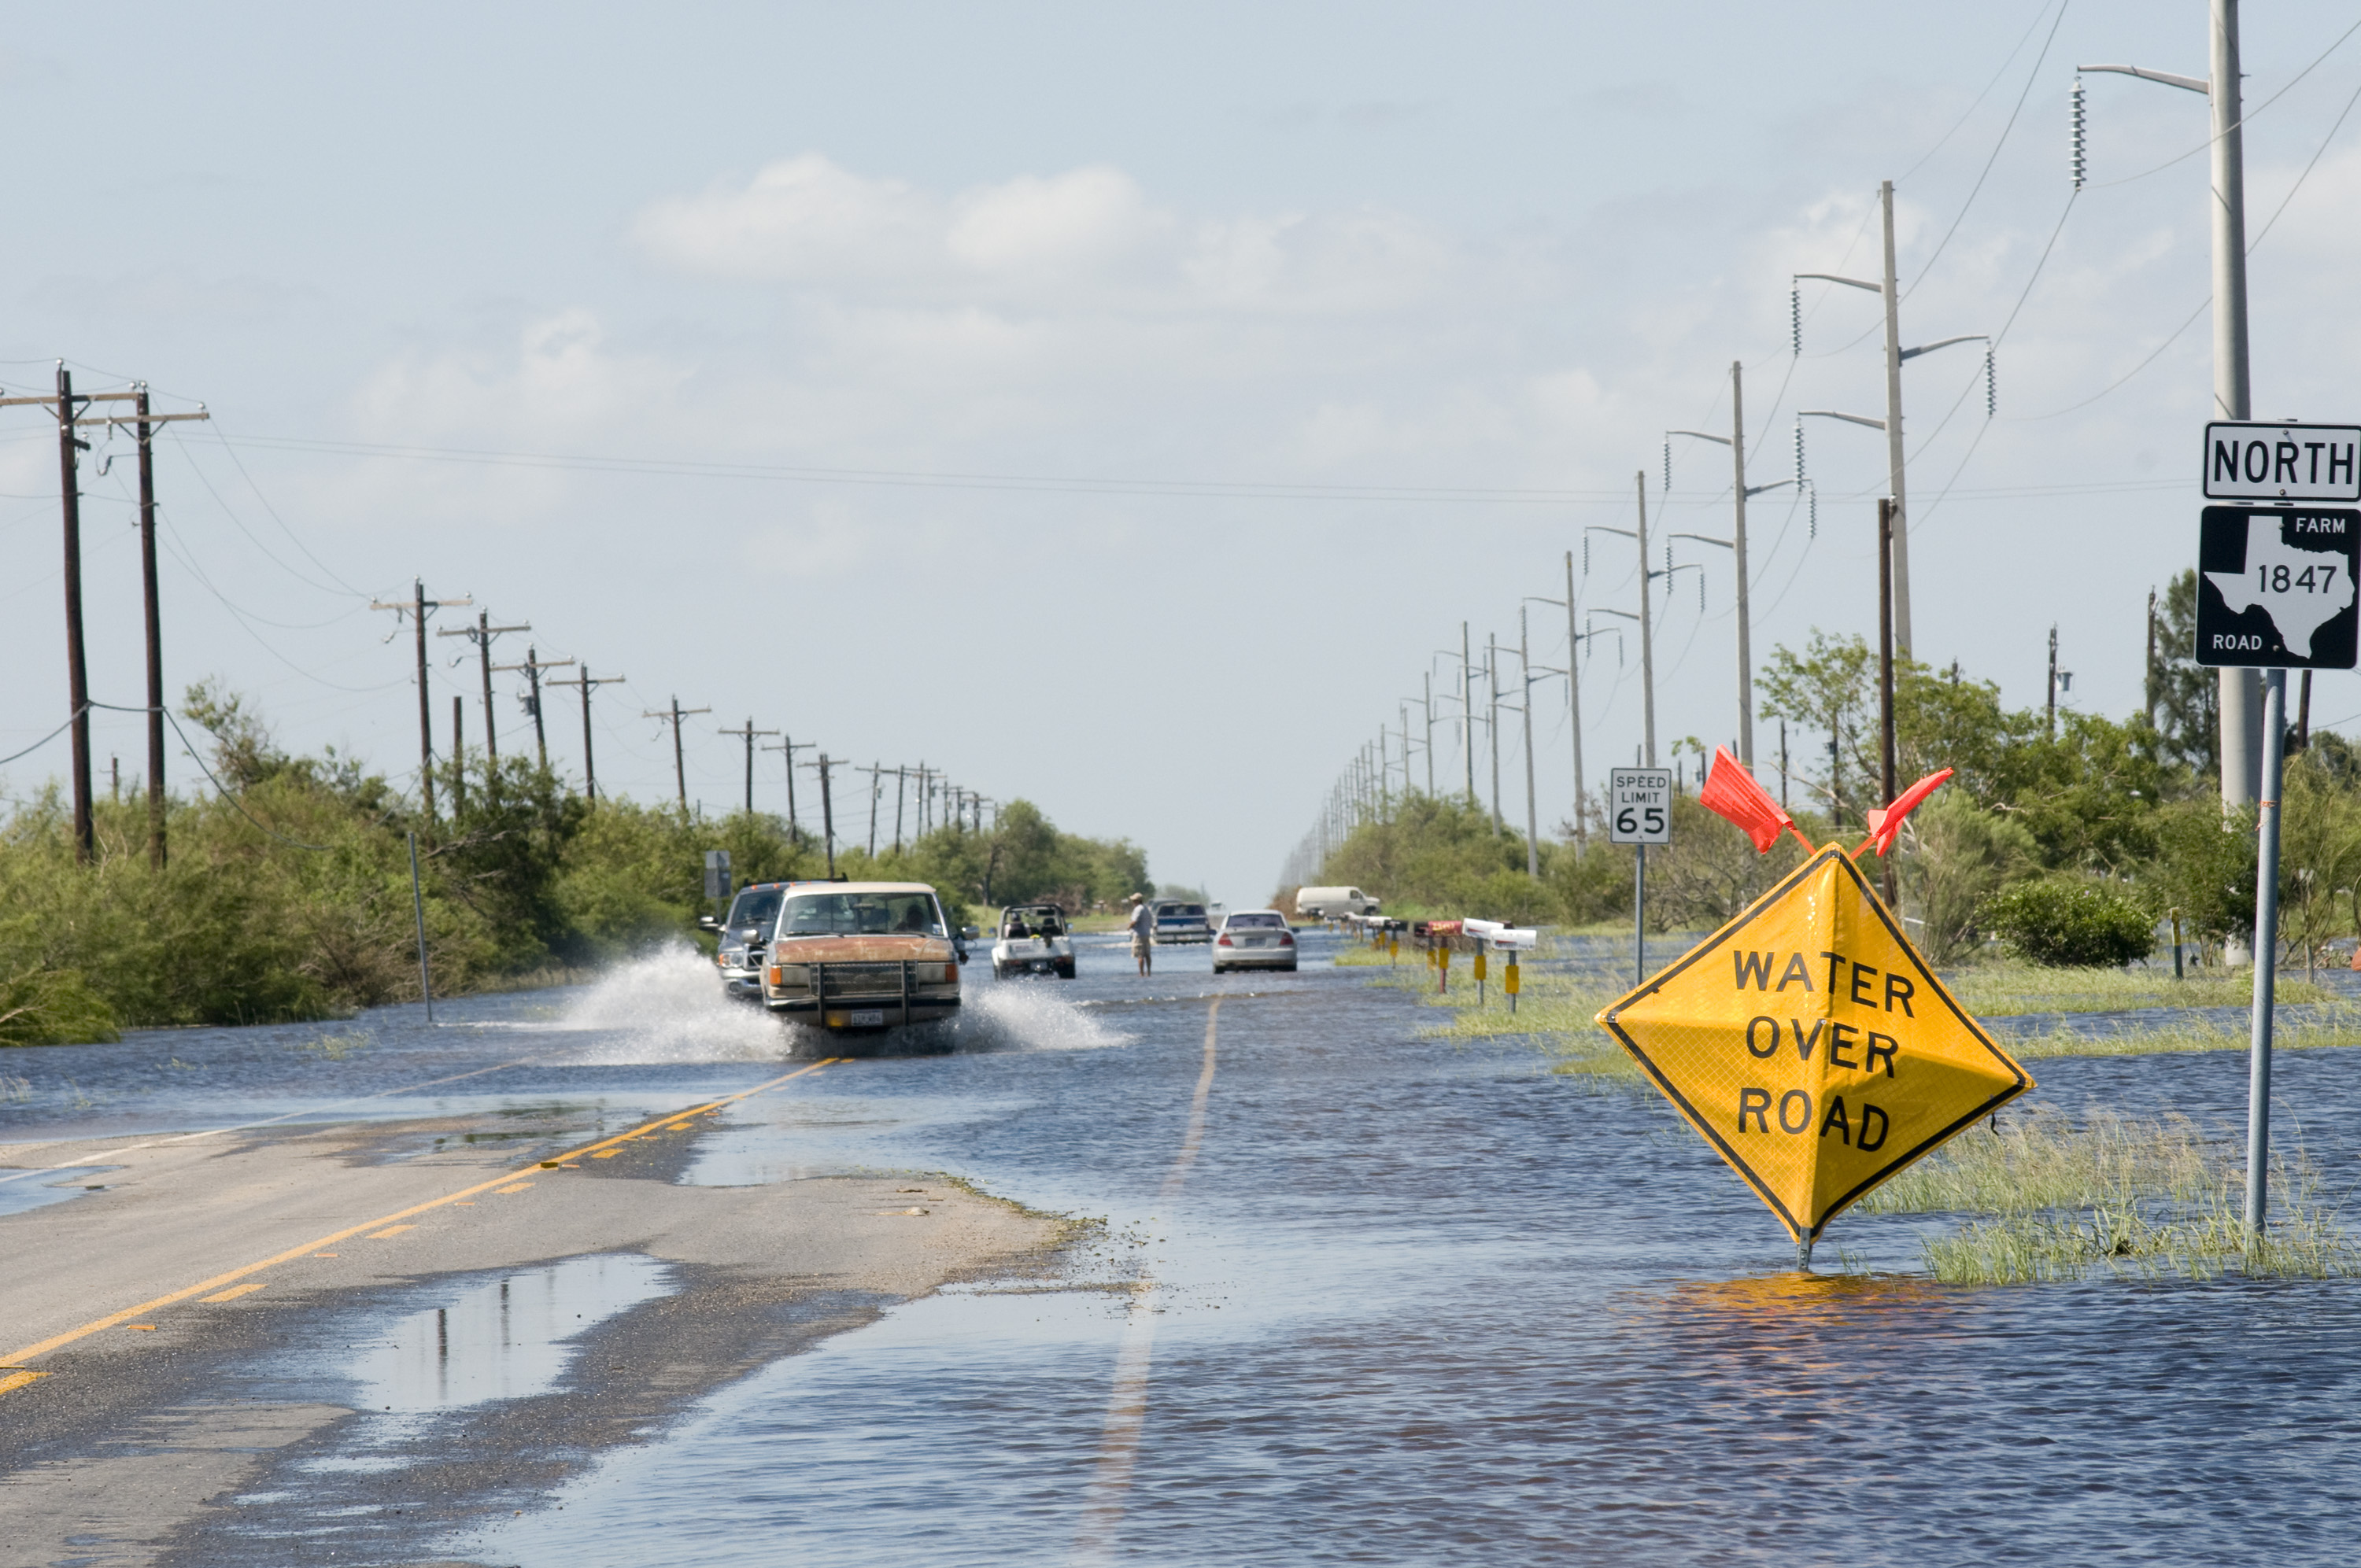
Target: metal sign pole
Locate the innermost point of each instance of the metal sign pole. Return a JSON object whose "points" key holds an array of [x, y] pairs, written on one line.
{"points": [[1639, 916], [2266, 921]]}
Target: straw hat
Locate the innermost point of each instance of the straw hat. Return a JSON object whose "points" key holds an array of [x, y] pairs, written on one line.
{"points": [[1136, 898]]}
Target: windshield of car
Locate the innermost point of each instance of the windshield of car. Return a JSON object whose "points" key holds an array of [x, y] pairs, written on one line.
{"points": [[1180, 911], [755, 906], [1264, 922], [862, 915]]}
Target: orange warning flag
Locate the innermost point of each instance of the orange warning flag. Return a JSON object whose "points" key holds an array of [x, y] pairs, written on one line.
{"points": [[1731, 792], [1811, 1046], [1884, 824]]}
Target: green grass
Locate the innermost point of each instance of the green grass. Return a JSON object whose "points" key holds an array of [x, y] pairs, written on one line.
{"points": [[2051, 1199], [2006, 990]]}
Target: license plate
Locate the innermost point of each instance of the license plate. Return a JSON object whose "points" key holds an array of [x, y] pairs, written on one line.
{"points": [[1257, 941], [867, 1018]]}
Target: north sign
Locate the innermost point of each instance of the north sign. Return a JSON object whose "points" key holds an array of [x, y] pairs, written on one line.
{"points": [[1813, 1048], [2252, 462]]}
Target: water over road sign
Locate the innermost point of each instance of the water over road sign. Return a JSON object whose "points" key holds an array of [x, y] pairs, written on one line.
{"points": [[2275, 586], [1813, 1048], [2250, 462]]}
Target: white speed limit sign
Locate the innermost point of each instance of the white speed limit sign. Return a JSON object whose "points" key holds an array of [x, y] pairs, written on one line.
{"points": [[1640, 805]]}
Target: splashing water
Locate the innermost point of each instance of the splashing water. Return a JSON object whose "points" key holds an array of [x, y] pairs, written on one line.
{"points": [[669, 1007], [1029, 1018]]}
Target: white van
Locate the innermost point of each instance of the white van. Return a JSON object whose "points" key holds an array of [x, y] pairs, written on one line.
{"points": [[1324, 903]]}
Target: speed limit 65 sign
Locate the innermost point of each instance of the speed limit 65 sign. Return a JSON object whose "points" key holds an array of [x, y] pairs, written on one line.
{"points": [[1640, 805]]}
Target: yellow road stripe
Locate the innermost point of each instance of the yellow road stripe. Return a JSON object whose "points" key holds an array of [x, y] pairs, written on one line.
{"points": [[513, 1187], [18, 1379], [390, 1230], [234, 1292], [55, 1342]]}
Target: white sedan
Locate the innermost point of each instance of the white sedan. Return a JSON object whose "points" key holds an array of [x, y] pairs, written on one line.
{"points": [[1254, 938]]}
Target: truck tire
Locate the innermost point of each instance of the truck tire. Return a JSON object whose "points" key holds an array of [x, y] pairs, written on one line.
{"points": [[1066, 969]]}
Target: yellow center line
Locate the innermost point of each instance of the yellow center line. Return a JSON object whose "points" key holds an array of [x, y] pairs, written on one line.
{"points": [[203, 1285]]}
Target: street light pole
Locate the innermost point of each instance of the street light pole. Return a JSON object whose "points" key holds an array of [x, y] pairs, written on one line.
{"points": [[2240, 704]]}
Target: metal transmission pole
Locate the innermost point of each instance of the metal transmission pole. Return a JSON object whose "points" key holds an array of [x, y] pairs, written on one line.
{"points": [[1492, 720], [1647, 635], [679, 764], [587, 683], [1740, 491], [533, 667], [481, 635], [1892, 424], [417, 610], [876, 788], [748, 734], [1525, 679], [2240, 704], [1467, 711]]}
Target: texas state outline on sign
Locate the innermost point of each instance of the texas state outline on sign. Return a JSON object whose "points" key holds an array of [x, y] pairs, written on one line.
{"points": [[2316, 589]]}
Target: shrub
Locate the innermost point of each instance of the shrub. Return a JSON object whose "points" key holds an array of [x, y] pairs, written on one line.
{"points": [[2078, 924]]}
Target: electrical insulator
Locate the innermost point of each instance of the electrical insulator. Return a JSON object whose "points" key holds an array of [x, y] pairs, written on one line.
{"points": [[1668, 465], [1992, 386], [2079, 127], [1799, 451], [1796, 318], [1700, 593], [1586, 554], [1812, 495]]}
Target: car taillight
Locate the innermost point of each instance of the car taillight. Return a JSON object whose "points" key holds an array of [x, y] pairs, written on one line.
{"points": [[950, 974], [1286, 941], [1226, 941]]}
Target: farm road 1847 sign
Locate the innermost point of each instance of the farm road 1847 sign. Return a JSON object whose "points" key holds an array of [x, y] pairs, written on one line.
{"points": [[2275, 587], [1812, 1046]]}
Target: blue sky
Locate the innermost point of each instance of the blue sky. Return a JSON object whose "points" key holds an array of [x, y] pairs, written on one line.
{"points": [[1182, 379]]}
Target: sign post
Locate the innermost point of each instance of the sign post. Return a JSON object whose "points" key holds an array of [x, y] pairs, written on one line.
{"points": [[1639, 813], [2276, 591], [1813, 1048]]}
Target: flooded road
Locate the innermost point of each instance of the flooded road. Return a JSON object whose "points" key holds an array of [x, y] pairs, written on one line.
{"points": [[1349, 1294]]}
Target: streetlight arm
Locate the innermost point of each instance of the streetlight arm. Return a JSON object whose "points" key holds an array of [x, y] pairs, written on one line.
{"points": [[1848, 282], [1602, 528], [1758, 489], [1702, 435], [1707, 539], [2193, 83], [1849, 419], [1946, 343]]}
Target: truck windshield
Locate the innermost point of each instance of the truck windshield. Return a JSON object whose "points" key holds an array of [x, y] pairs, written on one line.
{"points": [[862, 915], [755, 906]]}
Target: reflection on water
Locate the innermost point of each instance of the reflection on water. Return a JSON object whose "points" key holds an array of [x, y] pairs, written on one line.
{"points": [[23, 1189], [502, 1339]]}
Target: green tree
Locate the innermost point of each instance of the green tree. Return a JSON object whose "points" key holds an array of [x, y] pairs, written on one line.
{"points": [[1832, 687]]}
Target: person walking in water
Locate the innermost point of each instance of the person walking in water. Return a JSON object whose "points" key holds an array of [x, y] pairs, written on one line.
{"points": [[1142, 925]]}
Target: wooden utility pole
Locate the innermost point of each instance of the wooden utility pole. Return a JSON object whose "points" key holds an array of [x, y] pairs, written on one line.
{"points": [[143, 422], [827, 807], [481, 635], [748, 734], [679, 764], [586, 682], [533, 667], [458, 753], [417, 609], [901, 782], [788, 748]]}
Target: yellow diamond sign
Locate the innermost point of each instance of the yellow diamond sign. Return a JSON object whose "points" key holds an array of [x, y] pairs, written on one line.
{"points": [[1812, 1046]]}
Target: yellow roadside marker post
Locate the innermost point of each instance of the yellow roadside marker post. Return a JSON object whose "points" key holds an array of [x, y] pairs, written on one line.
{"points": [[1442, 969], [1480, 977], [1813, 1048], [1509, 982]]}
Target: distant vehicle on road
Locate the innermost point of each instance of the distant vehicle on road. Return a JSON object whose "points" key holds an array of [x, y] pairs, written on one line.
{"points": [[1179, 921], [1033, 939], [1254, 938], [745, 934], [862, 956], [1325, 903]]}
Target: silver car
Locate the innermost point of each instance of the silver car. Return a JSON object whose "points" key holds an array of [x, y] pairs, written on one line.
{"points": [[1254, 938]]}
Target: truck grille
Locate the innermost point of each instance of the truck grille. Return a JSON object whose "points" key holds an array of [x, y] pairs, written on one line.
{"points": [[851, 980]]}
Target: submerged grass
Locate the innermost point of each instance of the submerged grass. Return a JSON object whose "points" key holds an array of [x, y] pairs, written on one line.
{"points": [[2055, 1201]]}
